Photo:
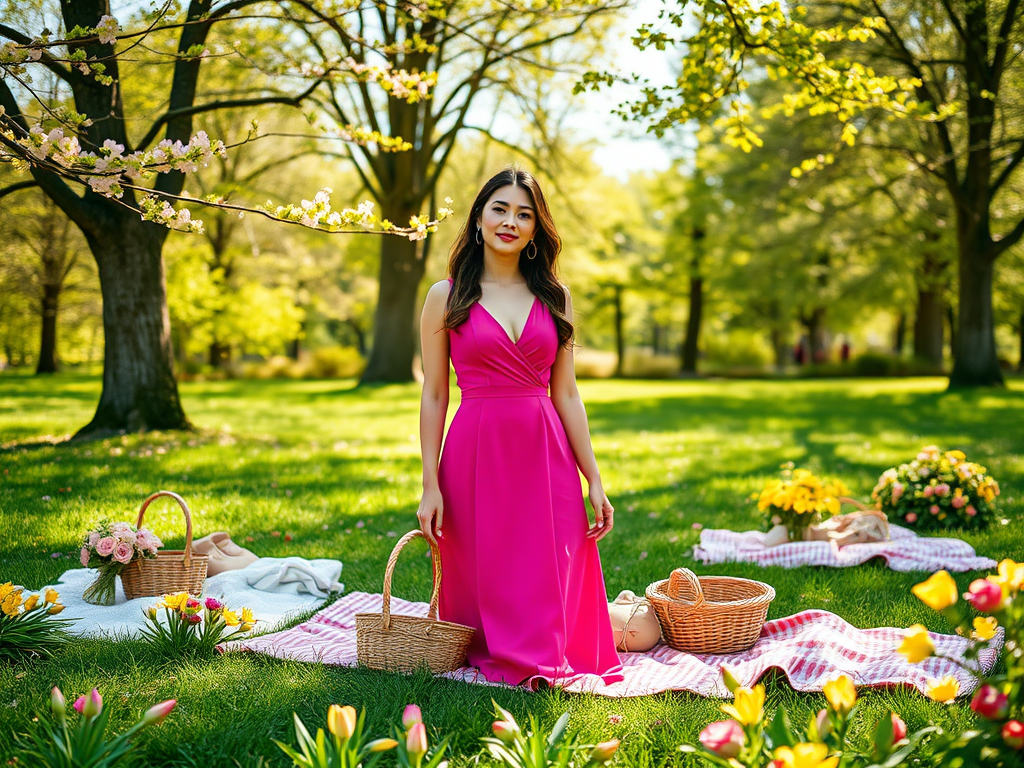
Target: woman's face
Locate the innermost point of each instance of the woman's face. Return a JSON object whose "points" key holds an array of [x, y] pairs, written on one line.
{"points": [[508, 220]]}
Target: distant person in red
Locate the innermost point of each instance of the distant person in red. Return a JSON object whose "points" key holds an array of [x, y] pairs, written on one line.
{"points": [[844, 351]]}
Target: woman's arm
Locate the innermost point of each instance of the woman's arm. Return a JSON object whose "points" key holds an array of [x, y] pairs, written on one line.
{"points": [[566, 399], [433, 405]]}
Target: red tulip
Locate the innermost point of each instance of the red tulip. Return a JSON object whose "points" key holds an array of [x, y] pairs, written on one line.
{"points": [[504, 730], [899, 728], [984, 595], [725, 738], [990, 702], [1013, 734]]}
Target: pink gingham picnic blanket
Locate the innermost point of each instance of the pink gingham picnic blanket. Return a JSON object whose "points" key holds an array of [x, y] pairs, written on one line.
{"points": [[905, 551], [811, 648]]}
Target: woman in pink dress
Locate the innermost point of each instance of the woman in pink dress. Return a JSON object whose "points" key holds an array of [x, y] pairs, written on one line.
{"points": [[504, 500]]}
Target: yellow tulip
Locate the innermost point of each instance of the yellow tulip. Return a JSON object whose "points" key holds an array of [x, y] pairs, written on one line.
{"points": [[55, 609], [841, 694], [381, 745], [1012, 573], [230, 617], [917, 645], [747, 706], [805, 756], [175, 602], [943, 691], [938, 591], [341, 721], [31, 602], [247, 617], [984, 627], [51, 596]]}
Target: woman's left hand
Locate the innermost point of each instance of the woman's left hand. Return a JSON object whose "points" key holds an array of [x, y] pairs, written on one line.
{"points": [[604, 512]]}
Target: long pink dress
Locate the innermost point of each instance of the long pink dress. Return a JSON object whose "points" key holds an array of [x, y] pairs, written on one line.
{"points": [[517, 563]]}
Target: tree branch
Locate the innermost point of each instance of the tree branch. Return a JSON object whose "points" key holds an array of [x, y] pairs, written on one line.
{"points": [[18, 186], [1012, 162], [1003, 40], [46, 59], [1008, 240]]}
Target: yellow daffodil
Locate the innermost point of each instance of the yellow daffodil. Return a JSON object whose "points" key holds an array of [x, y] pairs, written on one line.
{"points": [[984, 627], [747, 705], [51, 596], [247, 617], [1012, 573], [31, 603], [841, 694], [230, 617], [244, 627], [917, 645], [805, 756], [175, 602], [341, 721], [11, 605], [943, 691], [958, 455], [938, 591], [5, 590], [54, 609]]}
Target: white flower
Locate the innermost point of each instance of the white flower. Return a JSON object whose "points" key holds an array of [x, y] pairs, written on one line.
{"points": [[107, 30]]}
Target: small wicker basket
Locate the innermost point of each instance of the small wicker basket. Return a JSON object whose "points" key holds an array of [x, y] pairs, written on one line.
{"points": [[408, 643], [710, 614], [179, 570]]}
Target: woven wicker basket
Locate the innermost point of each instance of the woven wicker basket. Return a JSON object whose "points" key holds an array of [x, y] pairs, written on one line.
{"points": [[179, 570], [710, 614], [408, 643]]}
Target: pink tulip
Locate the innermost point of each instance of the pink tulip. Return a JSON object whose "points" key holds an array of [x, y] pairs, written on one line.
{"points": [[57, 704], [984, 595], [990, 702], [725, 738], [213, 605], [105, 546], [93, 704], [504, 730], [193, 618], [411, 716], [911, 517], [899, 728], [604, 751], [1013, 734], [416, 740], [191, 603], [822, 723], [79, 704], [158, 712]]}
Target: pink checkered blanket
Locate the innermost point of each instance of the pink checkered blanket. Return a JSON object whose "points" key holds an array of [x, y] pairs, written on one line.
{"points": [[905, 551], [810, 648]]}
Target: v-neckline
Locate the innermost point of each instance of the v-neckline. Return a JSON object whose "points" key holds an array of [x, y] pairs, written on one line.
{"points": [[504, 333]]}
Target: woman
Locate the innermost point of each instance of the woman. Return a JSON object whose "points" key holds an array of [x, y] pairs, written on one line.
{"points": [[505, 501]]}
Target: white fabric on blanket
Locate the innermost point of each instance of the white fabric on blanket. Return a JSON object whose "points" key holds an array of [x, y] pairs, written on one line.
{"points": [[905, 551], [125, 617], [292, 576]]}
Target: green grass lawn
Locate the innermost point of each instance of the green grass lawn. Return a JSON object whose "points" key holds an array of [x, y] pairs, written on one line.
{"points": [[311, 459]]}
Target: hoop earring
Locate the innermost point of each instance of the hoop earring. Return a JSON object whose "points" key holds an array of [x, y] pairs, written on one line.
{"points": [[479, 238], [531, 258]]}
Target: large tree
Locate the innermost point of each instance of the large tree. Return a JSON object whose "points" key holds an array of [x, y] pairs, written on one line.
{"points": [[952, 65], [473, 49]]}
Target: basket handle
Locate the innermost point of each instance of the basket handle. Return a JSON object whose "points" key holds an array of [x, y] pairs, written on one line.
{"points": [[857, 503], [188, 520], [691, 579], [435, 556]]}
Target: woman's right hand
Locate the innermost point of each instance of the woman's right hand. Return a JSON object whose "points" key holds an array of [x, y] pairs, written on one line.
{"points": [[431, 508]]}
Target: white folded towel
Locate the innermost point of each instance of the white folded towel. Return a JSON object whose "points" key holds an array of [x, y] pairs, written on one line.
{"points": [[294, 575]]}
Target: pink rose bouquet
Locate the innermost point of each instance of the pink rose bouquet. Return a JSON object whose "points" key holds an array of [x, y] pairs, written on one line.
{"points": [[109, 548]]}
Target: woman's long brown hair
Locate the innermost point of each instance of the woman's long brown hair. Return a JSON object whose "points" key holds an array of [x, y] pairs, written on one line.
{"points": [[466, 262]]}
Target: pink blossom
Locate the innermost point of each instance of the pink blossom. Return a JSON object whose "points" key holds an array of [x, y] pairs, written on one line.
{"points": [[213, 605], [929, 490], [942, 489], [94, 538], [934, 509], [899, 728], [105, 546], [156, 714], [79, 704], [971, 511], [193, 618], [614, 719], [697, 526], [124, 552], [959, 501], [85, 557], [411, 716], [911, 517], [725, 738], [984, 595], [897, 491]]}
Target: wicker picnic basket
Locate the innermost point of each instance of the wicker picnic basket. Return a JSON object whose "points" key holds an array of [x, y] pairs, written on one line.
{"points": [[408, 643], [710, 614], [179, 570]]}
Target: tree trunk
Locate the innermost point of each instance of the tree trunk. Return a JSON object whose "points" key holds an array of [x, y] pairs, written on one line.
{"points": [[815, 324], [975, 362], [928, 326], [394, 331], [620, 339], [780, 347], [900, 334], [359, 335], [139, 389], [1020, 337], [692, 341], [48, 337], [218, 354]]}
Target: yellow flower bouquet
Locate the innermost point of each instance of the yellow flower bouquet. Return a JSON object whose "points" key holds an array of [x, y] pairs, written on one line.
{"points": [[798, 499], [29, 625], [193, 627]]}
